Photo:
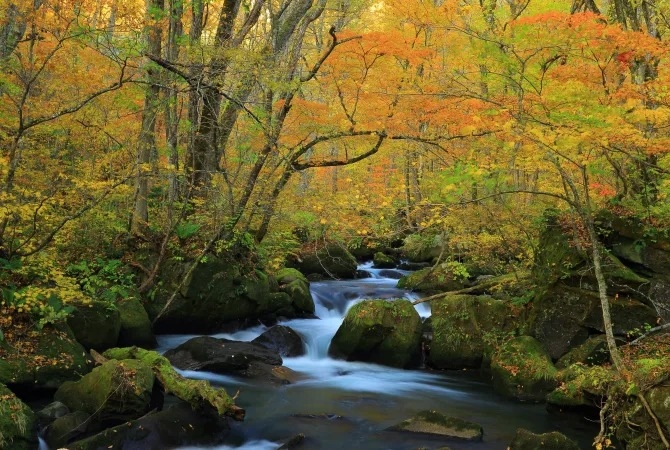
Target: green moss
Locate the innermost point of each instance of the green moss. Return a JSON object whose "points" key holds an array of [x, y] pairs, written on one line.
{"points": [[381, 331], [432, 279], [434, 422], [17, 422], [198, 393], [522, 369], [135, 324]]}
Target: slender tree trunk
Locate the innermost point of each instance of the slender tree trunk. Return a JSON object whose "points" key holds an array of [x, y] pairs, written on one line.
{"points": [[147, 140]]}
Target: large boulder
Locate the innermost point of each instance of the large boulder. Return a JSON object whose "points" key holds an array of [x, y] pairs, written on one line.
{"points": [[441, 278], [522, 369], [563, 317], [526, 440], [96, 325], [592, 352], [381, 260], [227, 357], [438, 424], [135, 324], [177, 426], [18, 427], [380, 331], [218, 294], [582, 386], [113, 392], [464, 329], [283, 340], [52, 357], [423, 247], [331, 260], [296, 285]]}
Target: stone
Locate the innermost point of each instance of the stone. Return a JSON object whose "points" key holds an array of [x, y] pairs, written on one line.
{"points": [[464, 326], [522, 369], [67, 428], [115, 391], [331, 260], [380, 331], [96, 325], [136, 327], [282, 339], [383, 261], [18, 426], [440, 278], [435, 423], [296, 286], [525, 440]]}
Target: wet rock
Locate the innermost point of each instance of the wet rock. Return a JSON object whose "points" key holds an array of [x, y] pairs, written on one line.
{"points": [[136, 327], [522, 369], [462, 329], [380, 331], [436, 423], [224, 356], [392, 274], [17, 422], [525, 440], [96, 325], [283, 340], [294, 442]]}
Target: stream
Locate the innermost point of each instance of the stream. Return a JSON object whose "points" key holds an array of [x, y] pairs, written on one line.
{"points": [[348, 405]]}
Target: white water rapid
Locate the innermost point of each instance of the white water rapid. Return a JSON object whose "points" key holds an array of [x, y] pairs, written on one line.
{"points": [[348, 405]]}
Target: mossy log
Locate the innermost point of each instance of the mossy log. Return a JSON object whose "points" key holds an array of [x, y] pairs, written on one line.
{"points": [[198, 393]]}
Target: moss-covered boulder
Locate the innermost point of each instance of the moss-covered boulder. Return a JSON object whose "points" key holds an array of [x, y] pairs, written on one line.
{"points": [[177, 426], [96, 325], [440, 278], [42, 359], [526, 440], [18, 427], [380, 331], [423, 247], [331, 260], [645, 434], [592, 352], [563, 317], [116, 391], [219, 294], [522, 369], [436, 423], [465, 328], [581, 385], [135, 324], [296, 285], [381, 260], [198, 393], [67, 428]]}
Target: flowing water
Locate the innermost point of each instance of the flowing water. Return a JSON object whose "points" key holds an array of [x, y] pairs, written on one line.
{"points": [[348, 405]]}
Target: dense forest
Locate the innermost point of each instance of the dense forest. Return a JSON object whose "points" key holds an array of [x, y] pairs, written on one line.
{"points": [[504, 147]]}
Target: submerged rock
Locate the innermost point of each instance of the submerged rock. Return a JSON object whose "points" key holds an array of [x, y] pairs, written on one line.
{"points": [[525, 440], [380, 331], [436, 423]]}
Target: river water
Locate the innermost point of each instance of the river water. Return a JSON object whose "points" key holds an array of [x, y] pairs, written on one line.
{"points": [[348, 405]]}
